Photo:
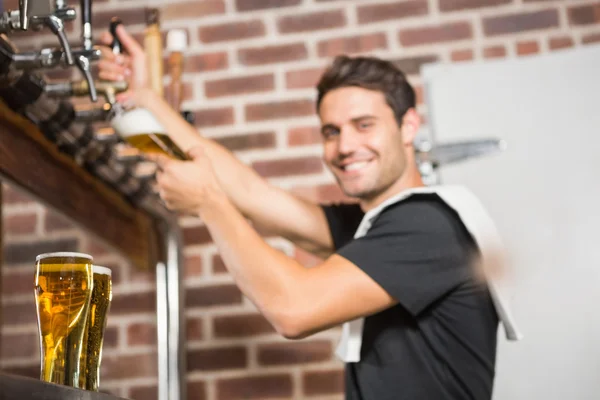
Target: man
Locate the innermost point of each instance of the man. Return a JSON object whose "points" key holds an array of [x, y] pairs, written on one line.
{"points": [[430, 324]]}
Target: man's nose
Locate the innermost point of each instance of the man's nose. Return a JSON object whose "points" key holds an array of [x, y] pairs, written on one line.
{"points": [[348, 141]]}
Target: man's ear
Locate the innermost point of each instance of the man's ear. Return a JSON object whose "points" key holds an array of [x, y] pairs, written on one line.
{"points": [[411, 123]]}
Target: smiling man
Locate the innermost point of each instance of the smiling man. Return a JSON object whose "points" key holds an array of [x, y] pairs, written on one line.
{"points": [[428, 325]]}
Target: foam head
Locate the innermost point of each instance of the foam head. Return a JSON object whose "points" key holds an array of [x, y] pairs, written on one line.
{"points": [[136, 122]]}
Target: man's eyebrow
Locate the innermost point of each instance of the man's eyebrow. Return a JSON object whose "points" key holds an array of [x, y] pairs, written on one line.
{"points": [[363, 117]]}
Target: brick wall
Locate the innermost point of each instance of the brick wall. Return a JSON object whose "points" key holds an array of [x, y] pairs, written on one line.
{"points": [[249, 78]]}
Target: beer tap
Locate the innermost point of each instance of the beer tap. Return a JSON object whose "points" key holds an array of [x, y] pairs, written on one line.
{"points": [[37, 14], [82, 88], [83, 59]]}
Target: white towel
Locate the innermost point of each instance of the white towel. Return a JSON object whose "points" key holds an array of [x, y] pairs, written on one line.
{"points": [[480, 226]]}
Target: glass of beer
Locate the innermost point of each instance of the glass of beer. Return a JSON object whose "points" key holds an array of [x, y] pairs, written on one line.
{"points": [[63, 289], [139, 128], [96, 323]]}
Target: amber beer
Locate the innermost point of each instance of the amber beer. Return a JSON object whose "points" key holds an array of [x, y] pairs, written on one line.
{"points": [[140, 129], [63, 289], [96, 323]]}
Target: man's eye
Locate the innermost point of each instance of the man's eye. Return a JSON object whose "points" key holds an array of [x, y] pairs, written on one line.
{"points": [[365, 125], [329, 133]]}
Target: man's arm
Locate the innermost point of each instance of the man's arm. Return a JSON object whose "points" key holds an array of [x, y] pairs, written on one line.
{"points": [[270, 209], [296, 301]]}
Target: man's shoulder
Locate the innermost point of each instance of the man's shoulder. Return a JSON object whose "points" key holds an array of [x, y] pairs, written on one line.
{"points": [[420, 211]]}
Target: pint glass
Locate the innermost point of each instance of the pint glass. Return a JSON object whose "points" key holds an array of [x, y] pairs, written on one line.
{"points": [[140, 129], [63, 289], [96, 322]]}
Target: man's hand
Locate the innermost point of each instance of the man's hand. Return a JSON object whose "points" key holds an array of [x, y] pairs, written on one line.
{"points": [[130, 66], [187, 186]]}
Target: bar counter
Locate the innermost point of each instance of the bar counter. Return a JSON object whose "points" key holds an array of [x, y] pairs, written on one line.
{"points": [[13, 387]]}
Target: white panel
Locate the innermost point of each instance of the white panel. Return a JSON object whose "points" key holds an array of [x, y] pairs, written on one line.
{"points": [[544, 194]]}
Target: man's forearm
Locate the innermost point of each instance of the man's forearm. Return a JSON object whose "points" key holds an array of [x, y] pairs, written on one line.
{"points": [[269, 278], [240, 182]]}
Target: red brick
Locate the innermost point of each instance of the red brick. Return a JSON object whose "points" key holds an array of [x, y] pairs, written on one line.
{"points": [[56, 222], [523, 22], [590, 38], [309, 22], [19, 224], [304, 135], [206, 62], [528, 47], [214, 117], [196, 391], [211, 296], [126, 366], [294, 353], [10, 195], [461, 55], [141, 333], [303, 78], [217, 359], [143, 393], [315, 383], [277, 110], [494, 52], [353, 44], [241, 326], [245, 5], [455, 5], [259, 140], [231, 31], [391, 11], [129, 16], [31, 371], [289, 166], [194, 328], [19, 345], [273, 54], [447, 32], [20, 253], [587, 14], [187, 90], [412, 65], [196, 235], [239, 85], [193, 266], [96, 247], [111, 337], [255, 387], [560, 42], [133, 303], [16, 282], [191, 9]]}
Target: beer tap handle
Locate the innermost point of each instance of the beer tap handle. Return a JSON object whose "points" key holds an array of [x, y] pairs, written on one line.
{"points": [[83, 63], [116, 45], [86, 23], [23, 11], [57, 27]]}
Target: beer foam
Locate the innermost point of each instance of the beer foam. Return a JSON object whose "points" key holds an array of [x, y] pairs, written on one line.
{"points": [[63, 254], [97, 269], [138, 121]]}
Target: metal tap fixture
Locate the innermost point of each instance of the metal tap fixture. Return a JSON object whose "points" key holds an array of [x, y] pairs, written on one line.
{"points": [[81, 88], [35, 14]]}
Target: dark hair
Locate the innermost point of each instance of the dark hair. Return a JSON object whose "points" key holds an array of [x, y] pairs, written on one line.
{"points": [[373, 74]]}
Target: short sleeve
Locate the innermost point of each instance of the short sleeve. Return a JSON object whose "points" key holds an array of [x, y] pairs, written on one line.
{"points": [[343, 221], [416, 250]]}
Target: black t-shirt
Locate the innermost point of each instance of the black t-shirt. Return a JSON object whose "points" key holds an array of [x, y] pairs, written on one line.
{"points": [[439, 341]]}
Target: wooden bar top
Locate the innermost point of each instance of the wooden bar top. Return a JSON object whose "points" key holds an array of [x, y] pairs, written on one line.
{"points": [[13, 387]]}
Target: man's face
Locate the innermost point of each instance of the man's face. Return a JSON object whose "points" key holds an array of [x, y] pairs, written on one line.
{"points": [[363, 145]]}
